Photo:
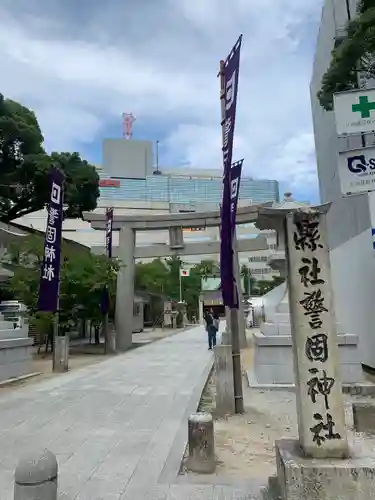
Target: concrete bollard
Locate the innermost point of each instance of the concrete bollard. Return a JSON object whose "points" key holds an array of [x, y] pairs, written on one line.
{"points": [[112, 341], [61, 354], [225, 404], [35, 477], [226, 338], [110, 337], [201, 443]]}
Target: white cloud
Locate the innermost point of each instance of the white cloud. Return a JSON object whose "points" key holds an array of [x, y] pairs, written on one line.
{"points": [[82, 66]]}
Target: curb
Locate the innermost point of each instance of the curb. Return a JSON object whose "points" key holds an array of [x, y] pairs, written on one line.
{"points": [[11, 381]]}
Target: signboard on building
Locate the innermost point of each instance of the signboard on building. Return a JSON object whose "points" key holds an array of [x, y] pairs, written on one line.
{"points": [[355, 111], [193, 229], [109, 183], [357, 171]]}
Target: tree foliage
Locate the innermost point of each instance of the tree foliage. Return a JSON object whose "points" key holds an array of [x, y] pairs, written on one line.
{"points": [[248, 280], [24, 168], [162, 277], [258, 287], [353, 56], [264, 286], [82, 279]]}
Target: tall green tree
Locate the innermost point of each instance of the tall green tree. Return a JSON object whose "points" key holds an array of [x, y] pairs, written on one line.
{"points": [[353, 56], [163, 277], [82, 279], [24, 168], [261, 287], [151, 276], [248, 280]]}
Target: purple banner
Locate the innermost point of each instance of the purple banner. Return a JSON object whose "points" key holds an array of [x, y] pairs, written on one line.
{"points": [[230, 191], [48, 300], [108, 232], [231, 72], [235, 181], [227, 231]]}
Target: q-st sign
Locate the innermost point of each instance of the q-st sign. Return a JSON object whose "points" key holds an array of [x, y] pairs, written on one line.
{"points": [[356, 170], [355, 111]]}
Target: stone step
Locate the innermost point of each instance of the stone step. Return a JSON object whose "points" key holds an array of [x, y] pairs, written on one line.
{"points": [[268, 329], [280, 328], [4, 325], [283, 307], [14, 333], [279, 318]]}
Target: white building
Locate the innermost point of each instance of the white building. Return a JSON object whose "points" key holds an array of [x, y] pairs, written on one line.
{"points": [[81, 232], [350, 219], [131, 184]]}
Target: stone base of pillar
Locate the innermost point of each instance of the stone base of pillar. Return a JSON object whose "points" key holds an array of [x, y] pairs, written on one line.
{"points": [[273, 359], [224, 380], [313, 479], [61, 354], [111, 341]]}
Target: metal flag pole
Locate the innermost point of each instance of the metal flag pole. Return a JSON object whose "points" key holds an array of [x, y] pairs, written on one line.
{"points": [[56, 316], [55, 334], [233, 313], [179, 274], [105, 297]]}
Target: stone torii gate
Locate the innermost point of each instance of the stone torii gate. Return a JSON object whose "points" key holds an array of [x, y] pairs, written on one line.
{"points": [[175, 224]]}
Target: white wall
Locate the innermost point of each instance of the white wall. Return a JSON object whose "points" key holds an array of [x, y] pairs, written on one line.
{"points": [[353, 275]]}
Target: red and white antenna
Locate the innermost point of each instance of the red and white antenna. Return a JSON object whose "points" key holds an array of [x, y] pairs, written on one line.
{"points": [[127, 125]]}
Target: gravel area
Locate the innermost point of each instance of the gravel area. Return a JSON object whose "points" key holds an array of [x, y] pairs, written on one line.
{"points": [[244, 444]]}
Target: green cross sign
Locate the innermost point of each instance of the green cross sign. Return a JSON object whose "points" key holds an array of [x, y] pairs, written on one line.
{"points": [[364, 107]]}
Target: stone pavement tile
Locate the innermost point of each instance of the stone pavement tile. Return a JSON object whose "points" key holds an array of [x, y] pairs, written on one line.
{"points": [[118, 469], [109, 424], [232, 493], [146, 492], [99, 487], [6, 484], [65, 496], [96, 496], [190, 492]]}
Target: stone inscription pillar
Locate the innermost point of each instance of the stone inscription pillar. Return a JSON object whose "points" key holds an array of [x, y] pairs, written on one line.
{"points": [[125, 289], [320, 407]]}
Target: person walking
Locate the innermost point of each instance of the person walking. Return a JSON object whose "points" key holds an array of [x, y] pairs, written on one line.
{"points": [[210, 329], [216, 322]]}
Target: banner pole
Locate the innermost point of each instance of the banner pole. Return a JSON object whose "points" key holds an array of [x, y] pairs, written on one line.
{"points": [[233, 315], [179, 273], [108, 243], [56, 316], [56, 321]]}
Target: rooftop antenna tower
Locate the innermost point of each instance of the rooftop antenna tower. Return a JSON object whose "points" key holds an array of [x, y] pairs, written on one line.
{"points": [[127, 125], [157, 171]]}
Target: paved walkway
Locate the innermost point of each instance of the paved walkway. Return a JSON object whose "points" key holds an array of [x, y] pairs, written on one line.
{"points": [[118, 428]]}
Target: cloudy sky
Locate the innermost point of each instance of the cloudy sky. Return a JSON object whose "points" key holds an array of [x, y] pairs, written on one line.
{"points": [[80, 64]]}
